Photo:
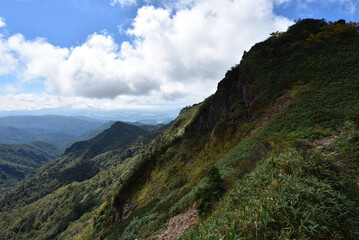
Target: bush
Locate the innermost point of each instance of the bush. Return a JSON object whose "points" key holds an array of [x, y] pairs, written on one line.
{"points": [[210, 193]]}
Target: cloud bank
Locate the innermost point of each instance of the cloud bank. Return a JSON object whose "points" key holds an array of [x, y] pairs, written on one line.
{"points": [[176, 54], [30, 102]]}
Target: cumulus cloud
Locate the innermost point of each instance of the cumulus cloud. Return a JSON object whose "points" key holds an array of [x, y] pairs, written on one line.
{"points": [[36, 59], [8, 61], [179, 52]]}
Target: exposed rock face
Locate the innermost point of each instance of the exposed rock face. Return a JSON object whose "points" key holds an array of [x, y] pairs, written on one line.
{"points": [[247, 98], [125, 211], [231, 92]]}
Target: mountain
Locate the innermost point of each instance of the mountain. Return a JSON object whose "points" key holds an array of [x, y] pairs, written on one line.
{"points": [[78, 163], [93, 132], [18, 161], [272, 154], [117, 136], [57, 130]]}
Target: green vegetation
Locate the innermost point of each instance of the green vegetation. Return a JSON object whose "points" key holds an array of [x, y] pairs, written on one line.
{"points": [[81, 161], [18, 161], [53, 213], [290, 195], [249, 156], [210, 193]]}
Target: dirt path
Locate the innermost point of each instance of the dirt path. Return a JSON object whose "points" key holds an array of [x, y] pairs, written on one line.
{"points": [[323, 142], [178, 225], [320, 143], [280, 103]]}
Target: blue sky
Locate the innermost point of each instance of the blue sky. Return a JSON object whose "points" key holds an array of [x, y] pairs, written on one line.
{"points": [[126, 54], [65, 22]]}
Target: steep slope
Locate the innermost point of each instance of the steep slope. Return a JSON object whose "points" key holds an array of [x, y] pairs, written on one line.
{"points": [[18, 161], [291, 194], [78, 163]]}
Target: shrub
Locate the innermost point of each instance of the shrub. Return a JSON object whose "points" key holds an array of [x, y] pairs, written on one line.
{"points": [[210, 193]]}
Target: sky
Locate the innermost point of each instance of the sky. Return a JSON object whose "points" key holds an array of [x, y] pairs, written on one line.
{"points": [[143, 55]]}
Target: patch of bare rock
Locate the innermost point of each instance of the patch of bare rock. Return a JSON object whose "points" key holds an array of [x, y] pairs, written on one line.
{"points": [[178, 225], [323, 142]]}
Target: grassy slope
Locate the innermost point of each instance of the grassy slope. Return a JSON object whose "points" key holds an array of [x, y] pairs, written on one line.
{"points": [[292, 194], [298, 193]]}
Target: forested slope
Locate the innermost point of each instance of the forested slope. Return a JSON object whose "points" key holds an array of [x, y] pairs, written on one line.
{"points": [[18, 161]]}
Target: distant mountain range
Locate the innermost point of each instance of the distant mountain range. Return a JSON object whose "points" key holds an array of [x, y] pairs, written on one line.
{"points": [[57, 130], [146, 116]]}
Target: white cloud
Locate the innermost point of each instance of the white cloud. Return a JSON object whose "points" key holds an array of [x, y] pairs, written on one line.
{"points": [[123, 2], [7, 61], [20, 102], [2, 22], [177, 54], [36, 59]]}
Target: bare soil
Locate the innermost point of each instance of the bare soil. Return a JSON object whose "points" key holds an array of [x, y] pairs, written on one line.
{"points": [[279, 105], [323, 142], [178, 225]]}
